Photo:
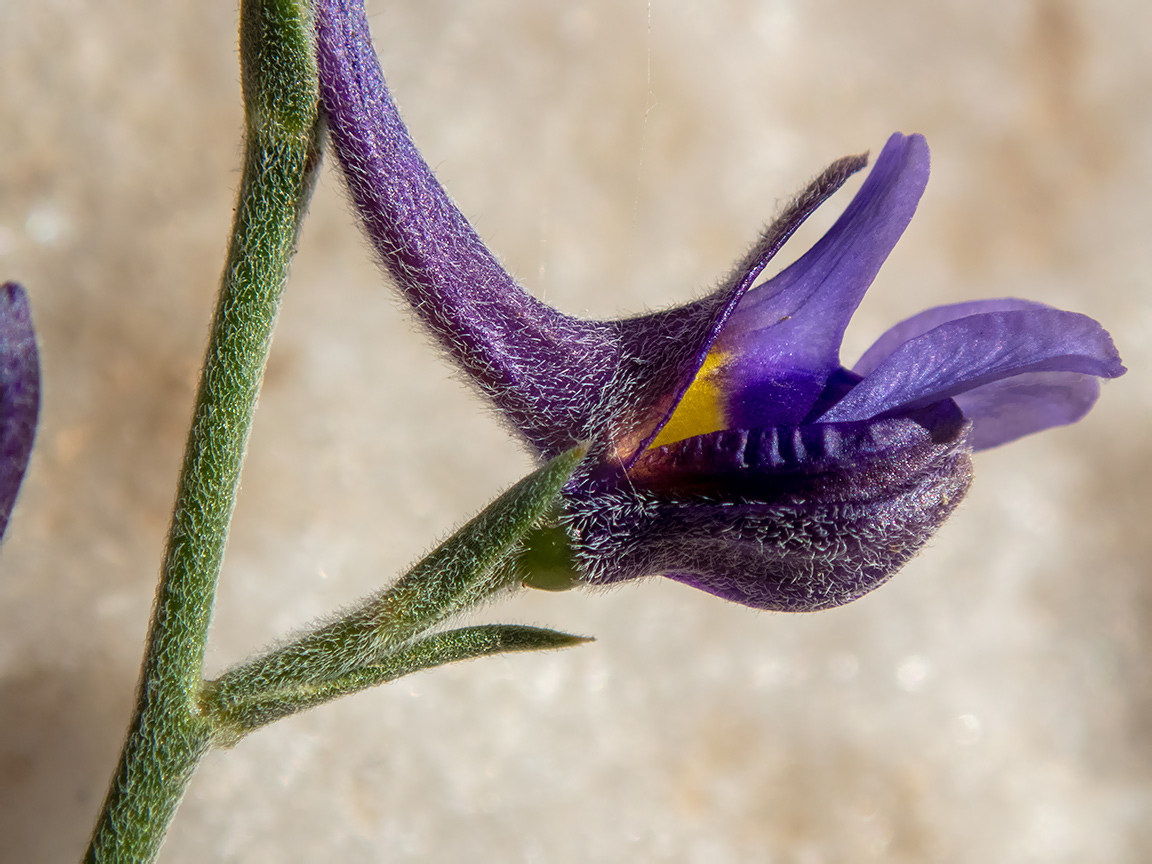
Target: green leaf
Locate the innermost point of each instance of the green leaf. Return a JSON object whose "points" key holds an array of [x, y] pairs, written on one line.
{"points": [[358, 648], [242, 713]]}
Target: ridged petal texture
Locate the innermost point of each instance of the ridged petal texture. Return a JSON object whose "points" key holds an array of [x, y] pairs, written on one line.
{"points": [[1013, 366], [792, 518]]}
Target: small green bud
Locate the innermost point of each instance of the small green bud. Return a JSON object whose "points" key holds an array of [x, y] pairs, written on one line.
{"points": [[546, 561]]}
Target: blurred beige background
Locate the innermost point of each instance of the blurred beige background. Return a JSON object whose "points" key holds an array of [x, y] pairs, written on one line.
{"points": [[992, 703]]}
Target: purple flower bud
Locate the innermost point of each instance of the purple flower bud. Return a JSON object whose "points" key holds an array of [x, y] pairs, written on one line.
{"points": [[19, 393], [731, 450]]}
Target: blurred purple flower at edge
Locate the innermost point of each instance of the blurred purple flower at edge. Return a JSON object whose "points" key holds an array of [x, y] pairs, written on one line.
{"points": [[730, 450], [19, 393]]}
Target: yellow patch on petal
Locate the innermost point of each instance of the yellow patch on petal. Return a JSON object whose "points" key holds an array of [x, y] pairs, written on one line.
{"points": [[702, 409]]}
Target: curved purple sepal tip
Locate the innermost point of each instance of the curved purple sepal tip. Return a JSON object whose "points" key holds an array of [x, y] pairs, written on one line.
{"points": [[19, 393], [1023, 404], [929, 319]]}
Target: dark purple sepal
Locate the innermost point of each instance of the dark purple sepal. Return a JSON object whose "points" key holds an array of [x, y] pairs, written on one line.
{"points": [[791, 519], [19, 393], [1025, 402]]}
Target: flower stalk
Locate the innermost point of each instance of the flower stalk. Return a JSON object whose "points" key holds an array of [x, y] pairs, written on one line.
{"points": [[168, 734], [385, 637]]}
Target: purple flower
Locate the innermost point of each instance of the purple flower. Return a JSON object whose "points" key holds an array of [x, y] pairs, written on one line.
{"points": [[19, 393], [730, 449]]}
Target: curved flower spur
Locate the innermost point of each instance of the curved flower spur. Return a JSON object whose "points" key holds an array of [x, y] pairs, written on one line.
{"points": [[730, 450]]}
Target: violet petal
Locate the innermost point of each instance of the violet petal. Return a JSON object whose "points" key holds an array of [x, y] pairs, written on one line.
{"points": [[930, 319], [558, 379], [1023, 404], [19, 393], [785, 335], [977, 350]]}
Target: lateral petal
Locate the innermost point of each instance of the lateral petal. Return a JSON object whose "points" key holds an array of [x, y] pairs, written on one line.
{"points": [[1014, 407], [978, 350], [930, 319]]}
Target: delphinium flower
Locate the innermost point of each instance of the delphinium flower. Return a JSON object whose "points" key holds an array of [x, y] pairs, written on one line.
{"points": [[19, 393], [730, 449]]}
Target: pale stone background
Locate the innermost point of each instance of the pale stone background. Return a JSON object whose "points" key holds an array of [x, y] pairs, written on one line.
{"points": [[993, 703]]}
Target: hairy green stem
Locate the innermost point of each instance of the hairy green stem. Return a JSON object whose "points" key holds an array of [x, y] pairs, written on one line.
{"points": [[168, 735], [374, 642]]}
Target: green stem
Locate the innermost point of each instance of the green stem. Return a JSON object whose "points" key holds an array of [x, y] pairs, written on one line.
{"points": [[373, 643], [168, 735], [236, 711]]}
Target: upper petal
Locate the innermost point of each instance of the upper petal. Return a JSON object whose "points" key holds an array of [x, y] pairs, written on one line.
{"points": [[662, 353], [930, 319], [783, 341], [979, 350]]}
